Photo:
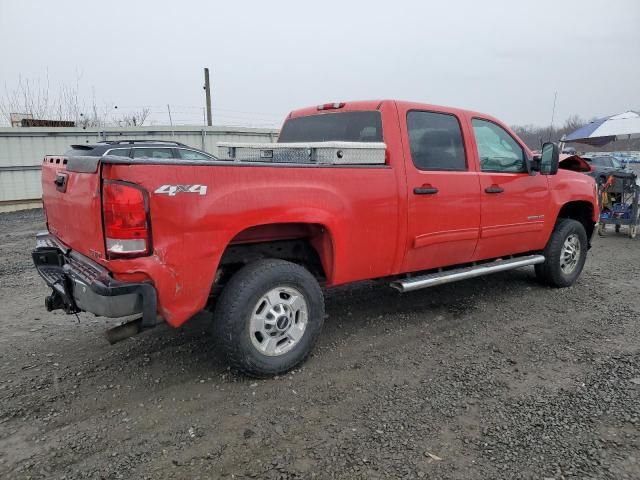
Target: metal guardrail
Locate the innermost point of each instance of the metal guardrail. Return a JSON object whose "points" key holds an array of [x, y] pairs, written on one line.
{"points": [[20, 168], [22, 149]]}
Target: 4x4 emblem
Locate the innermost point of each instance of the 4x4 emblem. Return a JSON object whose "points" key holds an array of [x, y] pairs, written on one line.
{"points": [[172, 190]]}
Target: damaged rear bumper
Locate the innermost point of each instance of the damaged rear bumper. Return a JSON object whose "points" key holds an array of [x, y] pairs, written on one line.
{"points": [[79, 284]]}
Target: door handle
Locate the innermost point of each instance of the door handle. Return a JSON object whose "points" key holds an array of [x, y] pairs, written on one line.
{"points": [[494, 189], [425, 190]]}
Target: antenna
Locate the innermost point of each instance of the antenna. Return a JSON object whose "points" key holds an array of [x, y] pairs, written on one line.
{"points": [[553, 113], [170, 119]]}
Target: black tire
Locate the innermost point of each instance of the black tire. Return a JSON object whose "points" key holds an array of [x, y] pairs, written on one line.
{"points": [[550, 272], [234, 310]]}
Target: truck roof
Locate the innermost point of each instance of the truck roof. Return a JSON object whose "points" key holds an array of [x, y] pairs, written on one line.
{"points": [[377, 105]]}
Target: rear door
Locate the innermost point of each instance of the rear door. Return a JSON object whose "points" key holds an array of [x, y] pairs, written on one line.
{"points": [[443, 192], [514, 203]]}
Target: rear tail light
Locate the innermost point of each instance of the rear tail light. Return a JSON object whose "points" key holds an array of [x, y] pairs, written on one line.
{"points": [[125, 209]]}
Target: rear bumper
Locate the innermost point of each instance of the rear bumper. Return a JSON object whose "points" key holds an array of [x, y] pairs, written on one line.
{"points": [[79, 284]]}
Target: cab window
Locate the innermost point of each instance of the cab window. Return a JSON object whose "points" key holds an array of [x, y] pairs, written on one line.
{"points": [[436, 141], [362, 126], [497, 150]]}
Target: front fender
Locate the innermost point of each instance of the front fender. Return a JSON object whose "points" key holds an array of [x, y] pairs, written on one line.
{"points": [[568, 186]]}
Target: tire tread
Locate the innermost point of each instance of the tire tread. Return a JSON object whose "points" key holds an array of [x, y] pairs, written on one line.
{"points": [[228, 326], [549, 272]]}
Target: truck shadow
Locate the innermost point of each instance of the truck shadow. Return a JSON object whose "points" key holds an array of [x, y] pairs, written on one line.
{"points": [[349, 310]]}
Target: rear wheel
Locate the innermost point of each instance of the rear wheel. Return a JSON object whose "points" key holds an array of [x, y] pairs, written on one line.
{"points": [[565, 254], [268, 317]]}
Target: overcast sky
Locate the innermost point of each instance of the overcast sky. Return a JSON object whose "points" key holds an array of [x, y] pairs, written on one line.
{"points": [[505, 58]]}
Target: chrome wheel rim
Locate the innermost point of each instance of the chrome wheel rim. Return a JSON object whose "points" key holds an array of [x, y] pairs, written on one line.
{"points": [[570, 254], [278, 321]]}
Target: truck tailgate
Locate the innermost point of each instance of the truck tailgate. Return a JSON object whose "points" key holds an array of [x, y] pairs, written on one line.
{"points": [[72, 203]]}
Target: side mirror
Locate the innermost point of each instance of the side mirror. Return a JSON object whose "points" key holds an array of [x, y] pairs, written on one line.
{"points": [[549, 159]]}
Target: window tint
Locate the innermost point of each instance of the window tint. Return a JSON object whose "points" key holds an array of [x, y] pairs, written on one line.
{"points": [[436, 141], [120, 152], [333, 127], [192, 155], [152, 153], [498, 151]]}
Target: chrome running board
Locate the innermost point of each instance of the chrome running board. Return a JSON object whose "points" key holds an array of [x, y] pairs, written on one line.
{"points": [[439, 278]]}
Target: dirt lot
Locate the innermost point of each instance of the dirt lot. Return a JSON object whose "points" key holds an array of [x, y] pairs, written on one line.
{"points": [[490, 378]]}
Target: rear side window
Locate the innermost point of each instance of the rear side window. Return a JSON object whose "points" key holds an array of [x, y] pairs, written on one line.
{"points": [[498, 151], [152, 153], [120, 152], [192, 155], [436, 141], [333, 127]]}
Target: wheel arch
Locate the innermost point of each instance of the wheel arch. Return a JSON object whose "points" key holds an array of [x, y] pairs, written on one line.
{"points": [[579, 210], [308, 244]]}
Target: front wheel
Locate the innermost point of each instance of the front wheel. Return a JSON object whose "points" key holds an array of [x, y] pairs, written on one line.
{"points": [[268, 317], [565, 254]]}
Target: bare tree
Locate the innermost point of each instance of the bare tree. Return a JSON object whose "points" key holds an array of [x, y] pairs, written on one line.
{"points": [[134, 119], [36, 98]]}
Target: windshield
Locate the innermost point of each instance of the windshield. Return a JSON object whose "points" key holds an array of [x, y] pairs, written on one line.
{"points": [[602, 161], [333, 127]]}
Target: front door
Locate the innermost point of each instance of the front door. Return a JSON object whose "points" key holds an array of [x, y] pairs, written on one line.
{"points": [[443, 193], [513, 202]]}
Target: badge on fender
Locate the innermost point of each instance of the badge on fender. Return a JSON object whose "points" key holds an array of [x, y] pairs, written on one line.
{"points": [[172, 190]]}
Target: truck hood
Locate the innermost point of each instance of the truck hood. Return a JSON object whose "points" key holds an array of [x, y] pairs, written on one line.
{"points": [[574, 163]]}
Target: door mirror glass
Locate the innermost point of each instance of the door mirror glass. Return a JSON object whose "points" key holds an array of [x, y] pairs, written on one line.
{"points": [[549, 159]]}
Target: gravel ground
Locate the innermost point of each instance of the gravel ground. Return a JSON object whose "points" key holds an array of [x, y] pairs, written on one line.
{"points": [[490, 378]]}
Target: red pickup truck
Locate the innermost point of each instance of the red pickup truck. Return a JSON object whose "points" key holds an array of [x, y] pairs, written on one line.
{"points": [[415, 194]]}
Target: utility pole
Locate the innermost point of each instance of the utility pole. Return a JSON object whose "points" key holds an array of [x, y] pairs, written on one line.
{"points": [[207, 91]]}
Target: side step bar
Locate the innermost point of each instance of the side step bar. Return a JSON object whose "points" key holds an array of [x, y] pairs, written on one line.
{"points": [[439, 278]]}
